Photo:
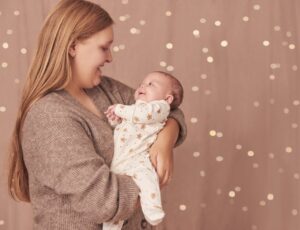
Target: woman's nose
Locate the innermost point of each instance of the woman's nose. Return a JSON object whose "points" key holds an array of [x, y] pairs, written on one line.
{"points": [[109, 57]]}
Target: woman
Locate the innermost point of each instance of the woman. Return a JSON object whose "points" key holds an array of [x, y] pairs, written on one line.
{"points": [[62, 144]]}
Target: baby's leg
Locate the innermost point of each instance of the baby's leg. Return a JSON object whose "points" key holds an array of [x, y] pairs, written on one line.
{"points": [[146, 178]]}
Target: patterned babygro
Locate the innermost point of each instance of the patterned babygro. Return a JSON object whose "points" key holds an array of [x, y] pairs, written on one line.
{"points": [[133, 137]]}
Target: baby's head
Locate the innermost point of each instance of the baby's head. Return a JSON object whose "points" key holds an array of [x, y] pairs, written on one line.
{"points": [[159, 85]]}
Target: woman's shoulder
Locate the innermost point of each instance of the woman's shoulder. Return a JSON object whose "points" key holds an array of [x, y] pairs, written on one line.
{"points": [[50, 105]]}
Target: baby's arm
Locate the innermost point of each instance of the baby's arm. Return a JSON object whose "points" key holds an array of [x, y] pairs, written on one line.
{"points": [[144, 112]]}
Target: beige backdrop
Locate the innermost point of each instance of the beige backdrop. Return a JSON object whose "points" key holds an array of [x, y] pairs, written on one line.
{"points": [[238, 60]]}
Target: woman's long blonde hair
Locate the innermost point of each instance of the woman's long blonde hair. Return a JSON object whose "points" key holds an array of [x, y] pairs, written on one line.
{"points": [[69, 21]]}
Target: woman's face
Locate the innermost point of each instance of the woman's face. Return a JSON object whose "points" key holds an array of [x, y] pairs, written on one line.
{"points": [[88, 56]]}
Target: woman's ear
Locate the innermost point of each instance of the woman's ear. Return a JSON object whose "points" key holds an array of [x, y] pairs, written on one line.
{"points": [[72, 49], [169, 98]]}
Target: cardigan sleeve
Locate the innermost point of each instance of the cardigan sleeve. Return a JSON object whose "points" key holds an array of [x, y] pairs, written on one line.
{"points": [[60, 155], [127, 95]]}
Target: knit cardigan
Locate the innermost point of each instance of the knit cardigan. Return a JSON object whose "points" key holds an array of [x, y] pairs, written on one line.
{"points": [[68, 151]]}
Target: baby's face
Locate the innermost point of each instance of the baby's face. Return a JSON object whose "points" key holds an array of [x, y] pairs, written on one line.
{"points": [[154, 87]]}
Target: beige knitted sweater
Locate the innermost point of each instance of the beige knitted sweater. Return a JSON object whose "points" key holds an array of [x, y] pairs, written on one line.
{"points": [[67, 151]]}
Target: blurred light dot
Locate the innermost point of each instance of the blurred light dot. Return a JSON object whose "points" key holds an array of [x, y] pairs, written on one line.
{"points": [[170, 68], [4, 64], [272, 101], [2, 222], [163, 64], [271, 155], [205, 50], [124, 1], [296, 176], [219, 191], [169, 46], [219, 158], [115, 48], [256, 7], [228, 108], [5, 45], [207, 92], [245, 18], [210, 59], [196, 154], [182, 207], [270, 196], [194, 120], [294, 212], [262, 203], [277, 28], [203, 205], [202, 173], [231, 194], [294, 67], [237, 189], [196, 33], [288, 149], [280, 170], [195, 88], [266, 43], [256, 104], [272, 77], [142, 22], [289, 34], [218, 23], [133, 30], [294, 125], [284, 43], [255, 165], [9, 32], [17, 81], [219, 134], [121, 47], [122, 18], [202, 20], [203, 76], [275, 65], [0, 13], [250, 153], [286, 110], [244, 208], [253, 227], [168, 13], [238, 147], [292, 46], [296, 102], [16, 13], [212, 133], [2, 108], [224, 43], [23, 51]]}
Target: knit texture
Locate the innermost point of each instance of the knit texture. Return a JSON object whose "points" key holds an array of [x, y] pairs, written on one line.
{"points": [[68, 151]]}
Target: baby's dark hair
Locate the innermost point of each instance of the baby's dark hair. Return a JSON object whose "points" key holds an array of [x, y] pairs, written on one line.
{"points": [[177, 89]]}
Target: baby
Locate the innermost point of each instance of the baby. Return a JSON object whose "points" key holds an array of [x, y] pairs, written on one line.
{"points": [[137, 129]]}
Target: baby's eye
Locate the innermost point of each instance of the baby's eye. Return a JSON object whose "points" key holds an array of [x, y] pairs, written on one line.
{"points": [[150, 83], [104, 48]]}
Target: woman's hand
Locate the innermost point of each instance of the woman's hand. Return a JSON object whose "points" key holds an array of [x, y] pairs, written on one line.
{"points": [[161, 152]]}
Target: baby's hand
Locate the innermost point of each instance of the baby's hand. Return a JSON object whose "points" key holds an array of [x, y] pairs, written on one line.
{"points": [[110, 113]]}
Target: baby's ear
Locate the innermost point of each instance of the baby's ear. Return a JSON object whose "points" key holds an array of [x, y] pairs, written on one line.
{"points": [[169, 98]]}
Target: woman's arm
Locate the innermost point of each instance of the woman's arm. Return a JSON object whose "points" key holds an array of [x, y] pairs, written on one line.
{"points": [[161, 152]]}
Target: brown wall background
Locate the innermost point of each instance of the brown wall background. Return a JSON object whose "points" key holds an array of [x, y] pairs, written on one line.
{"points": [[239, 63]]}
